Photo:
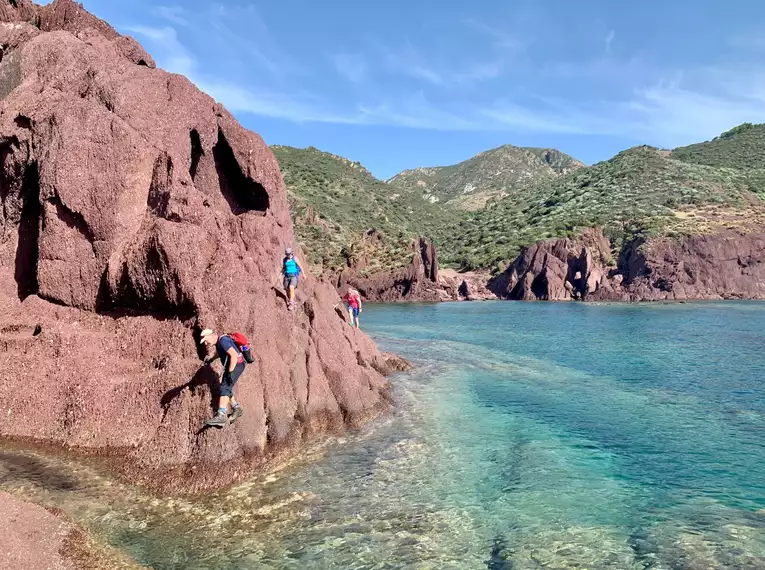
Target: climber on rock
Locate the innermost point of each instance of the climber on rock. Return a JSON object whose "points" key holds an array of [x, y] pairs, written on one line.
{"points": [[233, 365], [291, 269], [352, 300]]}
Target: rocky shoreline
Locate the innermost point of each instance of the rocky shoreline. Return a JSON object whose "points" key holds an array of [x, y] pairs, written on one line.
{"points": [[35, 538], [721, 266], [717, 266]]}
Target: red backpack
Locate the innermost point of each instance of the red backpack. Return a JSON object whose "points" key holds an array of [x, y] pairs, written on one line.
{"points": [[243, 345]]}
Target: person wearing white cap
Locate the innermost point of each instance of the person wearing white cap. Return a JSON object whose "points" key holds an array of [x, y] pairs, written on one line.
{"points": [[233, 366], [291, 269]]}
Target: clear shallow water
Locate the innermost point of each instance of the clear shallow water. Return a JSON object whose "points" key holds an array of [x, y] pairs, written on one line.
{"points": [[529, 436]]}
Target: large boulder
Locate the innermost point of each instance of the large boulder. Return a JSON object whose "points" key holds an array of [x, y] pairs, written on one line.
{"points": [[135, 212], [556, 270]]}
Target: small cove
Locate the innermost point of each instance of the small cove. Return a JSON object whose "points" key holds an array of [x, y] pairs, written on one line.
{"points": [[528, 436]]}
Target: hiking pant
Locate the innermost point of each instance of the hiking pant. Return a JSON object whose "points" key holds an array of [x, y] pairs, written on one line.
{"points": [[229, 380]]}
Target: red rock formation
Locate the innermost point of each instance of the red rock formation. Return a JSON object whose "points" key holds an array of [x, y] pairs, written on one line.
{"points": [[419, 281], [38, 539], [726, 265], [136, 211], [416, 282], [468, 286], [556, 270]]}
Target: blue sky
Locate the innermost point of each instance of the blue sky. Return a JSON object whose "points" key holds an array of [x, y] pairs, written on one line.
{"points": [[400, 84]]}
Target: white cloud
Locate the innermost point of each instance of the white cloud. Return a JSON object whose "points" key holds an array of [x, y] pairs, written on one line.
{"points": [[645, 102], [173, 55], [243, 28], [479, 72], [675, 115], [173, 14], [351, 66], [610, 41], [748, 43], [500, 38], [409, 62]]}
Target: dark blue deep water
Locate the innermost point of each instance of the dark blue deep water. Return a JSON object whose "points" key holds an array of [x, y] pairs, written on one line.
{"points": [[529, 436]]}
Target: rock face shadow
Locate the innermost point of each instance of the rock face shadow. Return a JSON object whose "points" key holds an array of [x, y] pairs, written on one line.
{"points": [[205, 375], [16, 467], [242, 193], [27, 250]]}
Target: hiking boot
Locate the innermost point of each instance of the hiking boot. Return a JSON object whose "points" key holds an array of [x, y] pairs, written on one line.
{"points": [[236, 414], [219, 421]]}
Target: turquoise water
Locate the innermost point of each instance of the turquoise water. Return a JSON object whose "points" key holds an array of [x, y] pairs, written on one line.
{"points": [[529, 436]]}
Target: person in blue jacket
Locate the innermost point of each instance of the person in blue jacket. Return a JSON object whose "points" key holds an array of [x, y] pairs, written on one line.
{"points": [[291, 269]]}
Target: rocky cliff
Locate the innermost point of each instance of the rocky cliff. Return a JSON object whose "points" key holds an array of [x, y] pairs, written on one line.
{"points": [[416, 282], [135, 212], [723, 265], [421, 280]]}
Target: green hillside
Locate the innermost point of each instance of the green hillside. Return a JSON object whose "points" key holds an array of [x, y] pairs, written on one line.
{"points": [[530, 194], [742, 147], [639, 191], [493, 174], [342, 212]]}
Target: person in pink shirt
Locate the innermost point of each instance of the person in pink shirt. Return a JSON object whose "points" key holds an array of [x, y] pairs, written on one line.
{"points": [[352, 300]]}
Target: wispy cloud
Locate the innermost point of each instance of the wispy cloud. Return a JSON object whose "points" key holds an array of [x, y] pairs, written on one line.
{"points": [[500, 38], [644, 101], [174, 14], [479, 72], [609, 41], [675, 114], [408, 61], [174, 56], [351, 66], [748, 42]]}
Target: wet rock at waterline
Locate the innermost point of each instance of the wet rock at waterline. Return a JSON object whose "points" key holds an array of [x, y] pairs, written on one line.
{"points": [[38, 539], [136, 211]]}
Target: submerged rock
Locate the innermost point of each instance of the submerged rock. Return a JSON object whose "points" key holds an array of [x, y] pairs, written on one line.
{"points": [[38, 539], [135, 212]]}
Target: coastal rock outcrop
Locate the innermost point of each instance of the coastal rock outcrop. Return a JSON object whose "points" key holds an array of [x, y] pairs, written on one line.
{"points": [[38, 539], [556, 270], [418, 281], [421, 280], [725, 265], [466, 286], [135, 212]]}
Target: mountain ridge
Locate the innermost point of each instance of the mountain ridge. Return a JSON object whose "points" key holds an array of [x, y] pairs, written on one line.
{"points": [[491, 174], [642, 193]]}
